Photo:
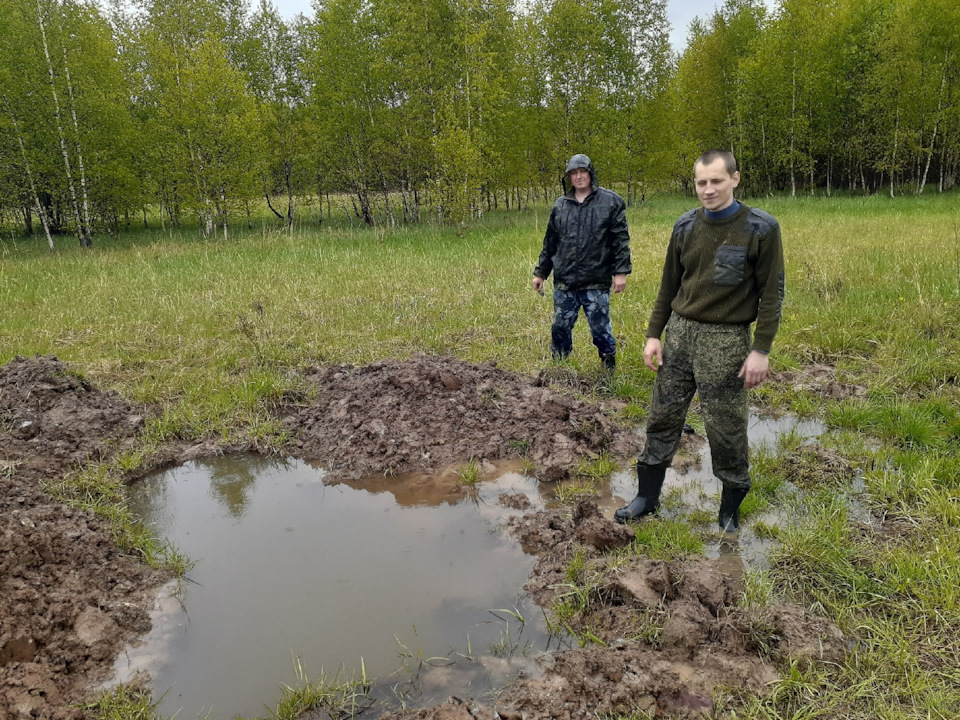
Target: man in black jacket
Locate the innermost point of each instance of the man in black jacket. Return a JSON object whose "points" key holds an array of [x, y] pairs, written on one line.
{"points": [[587, 247]]}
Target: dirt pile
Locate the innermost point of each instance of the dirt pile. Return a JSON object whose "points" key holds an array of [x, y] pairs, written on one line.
{"points": [[69, 597], [673, 632], [428, 412], [819, 380], [51, 419]]}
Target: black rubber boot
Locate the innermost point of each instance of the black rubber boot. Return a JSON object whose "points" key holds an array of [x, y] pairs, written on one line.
{"points": [[647, 501], [609, 362], [729, 517]]}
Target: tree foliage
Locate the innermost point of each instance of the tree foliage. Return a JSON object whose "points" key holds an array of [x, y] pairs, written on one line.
{"points": [[199, 109]]}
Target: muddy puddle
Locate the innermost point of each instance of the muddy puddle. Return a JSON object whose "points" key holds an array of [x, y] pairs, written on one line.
{"points": [[410, 574], [420, 580], [414, 576]]}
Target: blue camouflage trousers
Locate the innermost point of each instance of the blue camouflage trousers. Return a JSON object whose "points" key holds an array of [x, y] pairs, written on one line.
{"points": [[702, 358], [566, 308]]}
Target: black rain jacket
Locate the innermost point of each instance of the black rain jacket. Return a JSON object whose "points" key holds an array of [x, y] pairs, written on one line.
{"points": [[586, 243]]}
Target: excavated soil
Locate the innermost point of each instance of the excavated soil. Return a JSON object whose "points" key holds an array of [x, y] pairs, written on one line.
{"points": [[427, 412], [819, 379], [69, 597], [673, 630]]}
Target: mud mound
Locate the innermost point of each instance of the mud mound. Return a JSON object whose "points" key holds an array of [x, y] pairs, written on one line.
{"points": [[69, 598], [819, 380], [674, 631], [427, 412], [51, 419]]}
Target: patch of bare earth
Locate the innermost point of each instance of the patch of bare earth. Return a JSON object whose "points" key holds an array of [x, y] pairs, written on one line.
{"points": [[70, 599], [819, 379], [427, 412], [673, 631]]}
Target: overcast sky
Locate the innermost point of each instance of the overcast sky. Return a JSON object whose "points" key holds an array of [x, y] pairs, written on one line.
{"points": [[679, 12]]}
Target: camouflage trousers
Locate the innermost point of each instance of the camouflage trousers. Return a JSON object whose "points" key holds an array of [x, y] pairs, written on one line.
{"points": [[702, 358], [566, 308]]}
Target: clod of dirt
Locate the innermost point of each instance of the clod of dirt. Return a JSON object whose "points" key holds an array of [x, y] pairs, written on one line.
{"points": [[70, 599], [427, 412], [514, 501], [811, 465], [596, 531], [674, 631], [821, 380], [453, 709]]}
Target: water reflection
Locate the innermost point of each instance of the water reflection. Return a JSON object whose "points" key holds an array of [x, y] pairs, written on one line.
{"points": [[402, 572], [289, 568], [730, 560], [230, 482]]}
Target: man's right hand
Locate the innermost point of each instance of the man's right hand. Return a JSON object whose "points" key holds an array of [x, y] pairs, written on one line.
{"points": [[538, 284], [653, 354]]}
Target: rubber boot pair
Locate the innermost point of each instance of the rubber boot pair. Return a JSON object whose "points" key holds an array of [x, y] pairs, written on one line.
{"points": [[729, 515], [647, 501]]}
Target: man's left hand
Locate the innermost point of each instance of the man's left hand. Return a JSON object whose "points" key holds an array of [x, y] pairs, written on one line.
{"points": [[619, 283], [755, 369]]}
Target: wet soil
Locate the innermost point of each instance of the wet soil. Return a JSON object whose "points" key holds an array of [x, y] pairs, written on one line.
{"points": [[422, 414], [69, 597], [819, 379], [673, 631]]}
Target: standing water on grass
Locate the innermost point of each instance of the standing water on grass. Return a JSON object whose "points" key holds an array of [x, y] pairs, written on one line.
{"points": [[697, 488], [414, 576]]}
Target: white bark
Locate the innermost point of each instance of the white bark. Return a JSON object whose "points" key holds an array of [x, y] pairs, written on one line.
{"points": [[87, 233], [936, 124], [33, 186], [63, 141]]}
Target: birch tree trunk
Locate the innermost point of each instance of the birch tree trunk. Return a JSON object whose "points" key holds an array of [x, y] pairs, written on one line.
{"points": [[87, 238], [936, 124], [893, 157], [26, 165], [63, 142]]}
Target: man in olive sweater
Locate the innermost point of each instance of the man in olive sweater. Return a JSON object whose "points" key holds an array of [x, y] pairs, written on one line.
{"points": [[723, 271]]}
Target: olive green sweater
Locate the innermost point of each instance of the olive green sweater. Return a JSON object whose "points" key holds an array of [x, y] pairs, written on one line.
{"points": [[727, 271]]}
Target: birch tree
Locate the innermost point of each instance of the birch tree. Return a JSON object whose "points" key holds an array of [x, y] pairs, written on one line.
{"points": [[270, 58]]}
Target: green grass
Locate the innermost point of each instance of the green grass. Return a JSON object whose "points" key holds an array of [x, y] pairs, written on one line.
{"points": [[125, 702], [596, 468], [667, 539], [571, 492], [212, 334], [471, 473]]}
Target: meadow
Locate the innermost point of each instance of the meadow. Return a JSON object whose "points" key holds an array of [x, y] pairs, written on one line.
{"points": [[211, 333]]}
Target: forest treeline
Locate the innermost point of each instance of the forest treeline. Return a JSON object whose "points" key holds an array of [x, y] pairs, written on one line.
{"points": [[200, 109]]}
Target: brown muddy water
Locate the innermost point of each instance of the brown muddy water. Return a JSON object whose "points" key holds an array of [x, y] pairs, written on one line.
{"points": [[420, 583], [414, 576]]}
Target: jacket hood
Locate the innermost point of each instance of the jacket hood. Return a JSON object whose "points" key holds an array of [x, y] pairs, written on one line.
{"points": [[576, 162]]}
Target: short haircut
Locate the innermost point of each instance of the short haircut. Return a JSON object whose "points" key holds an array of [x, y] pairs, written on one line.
{"points": [[729, 161]]}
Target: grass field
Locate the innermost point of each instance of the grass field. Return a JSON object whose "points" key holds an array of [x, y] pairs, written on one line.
{"points": [[210, 332]]}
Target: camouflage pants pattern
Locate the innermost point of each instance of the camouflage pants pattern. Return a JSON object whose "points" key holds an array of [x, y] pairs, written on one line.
{"points": [[566, 308], [702, 358]]}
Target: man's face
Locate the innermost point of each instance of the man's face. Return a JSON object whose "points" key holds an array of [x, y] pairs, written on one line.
{"points": [[715, 185], [580, 179]]}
